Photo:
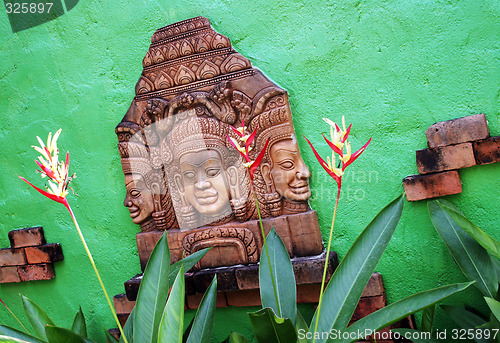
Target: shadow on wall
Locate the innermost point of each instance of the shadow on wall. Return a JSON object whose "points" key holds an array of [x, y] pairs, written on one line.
{"points": [[25, 15]]}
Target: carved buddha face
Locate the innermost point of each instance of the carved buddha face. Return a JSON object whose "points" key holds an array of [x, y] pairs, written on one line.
{"points": [[139, 198], [203, 182], [288, 171]]}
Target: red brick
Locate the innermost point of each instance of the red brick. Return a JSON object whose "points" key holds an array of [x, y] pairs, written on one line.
{"points": [[457, 131], [445, 158], [308, 294], [280, 225], [368, 305], [12, 257], [418, 187], [487, 151], [9, 274], [33, 272], [374, 287], [122, 318], [122, 304], [32, 236], [193, 301], [47, 253], [244, 298], [305, 233]]}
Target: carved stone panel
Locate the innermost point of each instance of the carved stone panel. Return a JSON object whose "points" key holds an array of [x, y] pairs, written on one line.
{"points": [[182, 174]]}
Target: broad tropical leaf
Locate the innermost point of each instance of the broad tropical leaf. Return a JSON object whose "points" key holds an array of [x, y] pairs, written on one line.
{"points": [[302, 328], [235, 337], [268, 328], [7, 339], [428, 318], [37, 317], [489, 243], [11, 332], [494, 306], [128, 329], [284, 279], [188, 262], [466, 319], [470, 257], [201, 331], [110, 338], [172, 322], [152, 294], [61, 335], [349, 280], [404, 307], [79, 326]]}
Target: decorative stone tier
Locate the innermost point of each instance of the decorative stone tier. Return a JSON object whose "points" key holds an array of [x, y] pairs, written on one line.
{"points": [[237, 243]]}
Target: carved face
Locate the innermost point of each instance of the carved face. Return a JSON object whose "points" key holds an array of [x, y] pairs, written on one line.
{"points": [[204, 182], [288, 171], [139, 199]]}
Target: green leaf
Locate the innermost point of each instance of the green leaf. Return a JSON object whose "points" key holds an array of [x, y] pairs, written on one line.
{"points": [[37, 317], [494, 307], [495, 329], [79, 326], [61, 335], [284, 279], [428, 318], [344, 290], [404, 307], [152, 294], [416, 336], [268, 328], [128, 329], [302, 328], [110, 338], [470, 257], [235, 337], [465, 319], [187, 262], [7, 339], [11, 332], [172, 322], [489, 243], [201, 331]]}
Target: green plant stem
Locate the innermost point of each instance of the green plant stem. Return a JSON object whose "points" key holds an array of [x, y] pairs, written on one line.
{"points": [[326, 264], [13, 315], [97, 273], [267, 253]]}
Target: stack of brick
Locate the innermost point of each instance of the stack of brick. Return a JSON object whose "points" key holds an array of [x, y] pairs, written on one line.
{"points": [[453, 145], [29, 258]]}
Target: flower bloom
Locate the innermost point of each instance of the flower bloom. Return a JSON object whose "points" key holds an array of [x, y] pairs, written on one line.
{"points": [[54, 170], [244, 150], [337, 143]]}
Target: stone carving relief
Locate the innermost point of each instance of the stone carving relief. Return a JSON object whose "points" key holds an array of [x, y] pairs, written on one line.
{"points": [[181, 173]]}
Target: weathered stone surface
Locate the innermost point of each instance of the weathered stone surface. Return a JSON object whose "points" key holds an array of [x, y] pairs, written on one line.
{"points": [[368, 305], [310, 269], [487, 151], [32, 236], [445, 158], [12, 257], [306, 235], [132, 287], [9, 274], [226, 279], [122, 304], [419, 187], [33, 272], [47, 253], [457, 131]]}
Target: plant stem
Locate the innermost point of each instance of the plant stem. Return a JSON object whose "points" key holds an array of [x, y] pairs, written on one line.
{"points": [[268, 259], [326, 264], [13, 315], [97, 273]]}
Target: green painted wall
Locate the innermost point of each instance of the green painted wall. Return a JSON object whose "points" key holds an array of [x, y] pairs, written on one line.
{"points": [[393, 68]]}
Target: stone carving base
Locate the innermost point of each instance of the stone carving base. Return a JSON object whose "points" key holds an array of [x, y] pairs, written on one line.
{"points": [[237, 243]]}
